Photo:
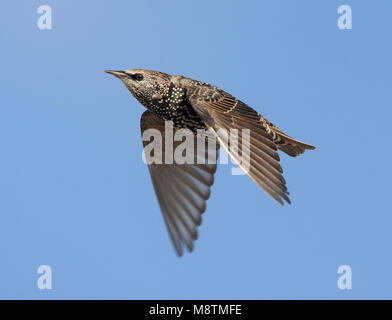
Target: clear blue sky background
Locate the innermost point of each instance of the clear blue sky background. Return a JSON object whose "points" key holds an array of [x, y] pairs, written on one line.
{"points": [[76, 195]]}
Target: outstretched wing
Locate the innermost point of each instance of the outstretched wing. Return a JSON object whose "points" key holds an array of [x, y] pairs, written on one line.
{"points": [[220, 110], [182, 189]]}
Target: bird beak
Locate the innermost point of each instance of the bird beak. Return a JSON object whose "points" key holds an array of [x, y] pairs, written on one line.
{"points": [[117, 73]]}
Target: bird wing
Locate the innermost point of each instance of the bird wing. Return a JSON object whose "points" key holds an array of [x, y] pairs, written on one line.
{"points": [[220, 110], [182, 189]]}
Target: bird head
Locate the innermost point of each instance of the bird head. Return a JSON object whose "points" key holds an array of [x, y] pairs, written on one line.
{"points": [[143, 84]]}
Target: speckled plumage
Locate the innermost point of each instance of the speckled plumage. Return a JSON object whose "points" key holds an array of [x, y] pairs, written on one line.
{"points": [[166, 97], [174, 105], [182, 190]]}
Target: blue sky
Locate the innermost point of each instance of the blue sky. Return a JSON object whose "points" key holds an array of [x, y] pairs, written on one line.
{"points": [[76, 195]]}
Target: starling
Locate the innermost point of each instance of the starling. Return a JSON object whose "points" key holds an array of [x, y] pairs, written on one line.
{"points": [[183, 189]]}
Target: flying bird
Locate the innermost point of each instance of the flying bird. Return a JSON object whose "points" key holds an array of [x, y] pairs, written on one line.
{"points": [[183, 189]]}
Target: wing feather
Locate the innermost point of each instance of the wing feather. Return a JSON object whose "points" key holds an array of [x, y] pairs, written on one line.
{"points": [[223, 111], [182, 189]]}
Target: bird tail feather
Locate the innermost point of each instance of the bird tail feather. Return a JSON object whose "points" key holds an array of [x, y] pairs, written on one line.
{"points": [[289, 145]]}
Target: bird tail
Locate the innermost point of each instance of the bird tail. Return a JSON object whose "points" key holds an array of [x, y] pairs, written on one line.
{"points": [[290, 145], [283, 141]]}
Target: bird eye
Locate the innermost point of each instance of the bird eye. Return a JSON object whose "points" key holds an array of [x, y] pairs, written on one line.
{"points": [[138, 77]]}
